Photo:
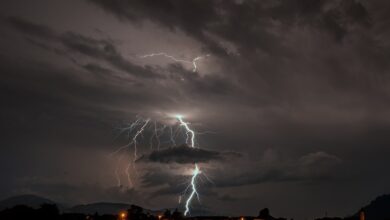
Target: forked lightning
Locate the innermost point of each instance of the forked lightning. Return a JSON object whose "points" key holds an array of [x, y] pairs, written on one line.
{"points": [[191, 62]]}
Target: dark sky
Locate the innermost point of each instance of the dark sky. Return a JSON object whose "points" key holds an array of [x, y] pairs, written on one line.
{"points": [[295, 94]]}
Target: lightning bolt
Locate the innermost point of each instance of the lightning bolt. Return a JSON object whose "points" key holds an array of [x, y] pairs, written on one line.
{"points": [[196, 170], [188, 131], [133, 142], [136, 135], [191, 62], [136, 130], [158, 132], [195, 174], [172, 138], [118, 179]]}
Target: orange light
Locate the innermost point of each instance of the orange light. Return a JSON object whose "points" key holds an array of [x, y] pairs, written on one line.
{"points": [[159, 216], [242, 218], [123, 215]]}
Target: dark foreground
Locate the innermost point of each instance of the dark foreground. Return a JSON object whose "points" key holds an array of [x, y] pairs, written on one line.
{"points": [[51, 211], [378, 209]]}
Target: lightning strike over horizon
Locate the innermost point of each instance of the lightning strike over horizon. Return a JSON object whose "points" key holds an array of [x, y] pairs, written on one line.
{"points": [[195, 174], [196, 170], [191, 62], [158, 133]]}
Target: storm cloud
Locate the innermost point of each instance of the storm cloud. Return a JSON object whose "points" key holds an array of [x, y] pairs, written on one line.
{"points": [[184, 154], [293, 101]]}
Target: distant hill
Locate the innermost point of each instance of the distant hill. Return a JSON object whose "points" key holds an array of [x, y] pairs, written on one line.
{"points": [[29, 200], [107, 208], [100, 208]]}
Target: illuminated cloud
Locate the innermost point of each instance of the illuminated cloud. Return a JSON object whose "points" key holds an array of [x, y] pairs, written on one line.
{"points": [[185, 155]]}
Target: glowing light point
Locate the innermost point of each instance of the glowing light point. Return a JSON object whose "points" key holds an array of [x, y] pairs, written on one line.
{"points": [[122, 215]]}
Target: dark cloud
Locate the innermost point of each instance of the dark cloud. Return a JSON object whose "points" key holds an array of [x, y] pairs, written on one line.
{"points": [[229, 198], [102, 50], [307, 79], [229, 19], [80, 49], [86, 193], [334, 17], [313, 167], [310, 168], [163, 183], [201, 85], [184, 154], [29, 28]]}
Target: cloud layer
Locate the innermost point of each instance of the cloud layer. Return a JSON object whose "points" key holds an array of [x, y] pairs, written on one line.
{"points": [[184, 154], [298, 88]]}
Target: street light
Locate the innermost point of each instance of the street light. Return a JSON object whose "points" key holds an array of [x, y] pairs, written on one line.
{"points": [[122, 215]]}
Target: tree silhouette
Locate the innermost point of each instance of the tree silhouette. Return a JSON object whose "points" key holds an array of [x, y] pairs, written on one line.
{"points": [[48, 211], [264, 213]]}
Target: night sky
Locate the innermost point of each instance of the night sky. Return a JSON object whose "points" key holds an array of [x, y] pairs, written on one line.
{"points": [[291, 104]]}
